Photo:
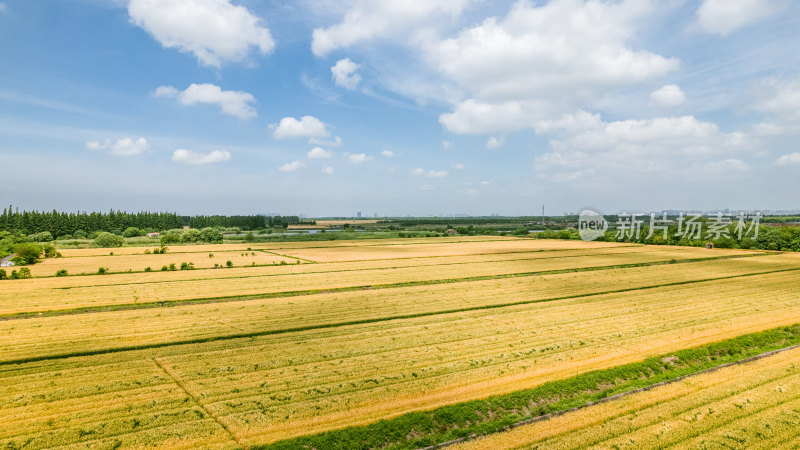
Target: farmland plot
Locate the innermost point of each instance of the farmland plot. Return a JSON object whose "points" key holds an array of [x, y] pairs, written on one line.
{"points": [[273, 282], [315, 347], [754, 405]]}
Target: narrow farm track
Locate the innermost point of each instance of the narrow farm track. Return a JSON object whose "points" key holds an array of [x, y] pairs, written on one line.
{"points": [[313, 347]]}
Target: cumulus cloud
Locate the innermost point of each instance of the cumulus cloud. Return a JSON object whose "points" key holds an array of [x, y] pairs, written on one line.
{"points": [[307, 126], [669, 95], [215, 31], [190, 157], [541, 60], [358, 158], [368, 19], [724, 17], [387, 154], [344, 74], [419, 171], [327, 170], [3, 8], [494, 142], [583, 146], [292, 166], [790, 159], [121, 147], [319, 153], [459, 166], [234, 103]]}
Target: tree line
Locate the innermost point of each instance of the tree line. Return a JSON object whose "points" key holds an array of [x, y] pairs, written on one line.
{"points": [[59, 223]]}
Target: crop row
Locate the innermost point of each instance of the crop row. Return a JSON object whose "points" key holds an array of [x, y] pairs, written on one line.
{"points": [[271, 387], [755, 405], [142, 293], [23, 338]]}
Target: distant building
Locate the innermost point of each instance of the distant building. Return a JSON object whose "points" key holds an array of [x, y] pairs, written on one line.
{"points": [[7, 262], [153, 234], [450, 231], [358, 215]]}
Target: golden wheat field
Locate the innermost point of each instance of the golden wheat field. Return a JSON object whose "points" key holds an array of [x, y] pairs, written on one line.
{"points": [[754, 405], [362, 331]]}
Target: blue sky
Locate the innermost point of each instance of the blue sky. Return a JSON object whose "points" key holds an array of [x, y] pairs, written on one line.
{"points": [[415, 107]]}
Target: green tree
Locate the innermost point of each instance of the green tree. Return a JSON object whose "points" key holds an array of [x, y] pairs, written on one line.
{"points": [[171, 237], [209, 234], [105, 240], [191, 235], [131, 232], [28, 252]]}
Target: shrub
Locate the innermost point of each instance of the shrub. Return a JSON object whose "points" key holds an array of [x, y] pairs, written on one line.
{"points": [[172, 267], [44, 236], [102, 271], [210, 235], [24, 273], [14, 275], [187, 266], [62, 273], [229, 263], [50, 251], [80, 234], [106, 240], [28, 252], [148, 269], [520, 232], [131, 232], [170, 237], [249, 237], [147, 251], [3, 274], [164, 268], [191, 235], [210, 255]]}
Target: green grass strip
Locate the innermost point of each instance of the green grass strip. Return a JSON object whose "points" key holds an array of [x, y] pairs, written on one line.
{"points": [[455, 423]]}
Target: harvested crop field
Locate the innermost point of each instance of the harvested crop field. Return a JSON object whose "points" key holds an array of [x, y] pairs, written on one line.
{"points": [[354, 334]]}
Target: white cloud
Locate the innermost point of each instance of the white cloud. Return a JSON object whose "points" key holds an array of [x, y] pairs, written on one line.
{"points": [[583, 146], [319, 153], [189, 157], [459, 166], [541, 60], [791, 159], [419, 171], [723, 17], [669, 95], [779, 100], [344, 74], [234, 103], [215, 31], [336, 142], [369, 19], [291, 166], [446, 144], [327, 170], [122, 147], [495, 142], [472, 191], [476, 117], [358, 158], [307, 126], [3, 8], [387, 154]]}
